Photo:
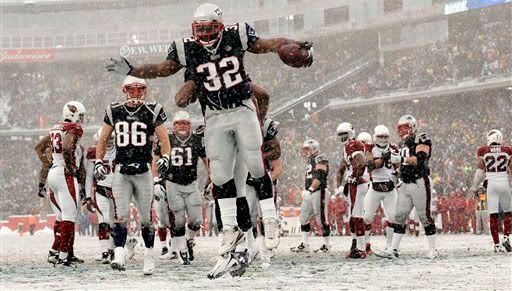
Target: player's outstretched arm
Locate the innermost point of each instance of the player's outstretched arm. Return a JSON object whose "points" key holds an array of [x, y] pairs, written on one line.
{"points": [[185, 95], [148, 71], [272, 45]]}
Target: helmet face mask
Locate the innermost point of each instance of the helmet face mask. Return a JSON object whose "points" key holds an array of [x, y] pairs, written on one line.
{"points": [[404, 131], [345, 132], [73, 111], [182, 124], [135, 90], [406, 127], [309, 148], [208, 25]]}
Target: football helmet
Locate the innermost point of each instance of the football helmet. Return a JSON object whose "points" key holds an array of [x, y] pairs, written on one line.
{"points": [[110, 140], [182, 124], [364, 137], [345, 131], [310, 147], [406, 126], [207, 25], [494, 137], [135, 89], [73, 111], [381, 135]]}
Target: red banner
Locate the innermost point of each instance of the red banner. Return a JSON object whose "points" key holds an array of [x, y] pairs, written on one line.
{"points": [[36, 55]]}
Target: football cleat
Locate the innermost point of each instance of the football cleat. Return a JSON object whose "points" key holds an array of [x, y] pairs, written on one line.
{"points": [[324, 248], [65, 263], [240, 267], [105, 258], [433, 254], [130, 248], [223, 265], [190, 247], [233, 236], [506, 244], [164, 254], [356, 254], [75, 259], [302, 248], [173, 256], [389, 253], [149, 262], [53, 257], [119, 259], [183, 258], [369, 250], [499, 248], [271, 226]]}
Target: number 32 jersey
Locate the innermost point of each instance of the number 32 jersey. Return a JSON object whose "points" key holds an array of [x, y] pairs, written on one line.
{"points": [[184, 156], [497, 160], [218, 72], [134, 129]]}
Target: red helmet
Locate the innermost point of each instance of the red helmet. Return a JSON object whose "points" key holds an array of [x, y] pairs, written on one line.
{"points": [[208, 24]]}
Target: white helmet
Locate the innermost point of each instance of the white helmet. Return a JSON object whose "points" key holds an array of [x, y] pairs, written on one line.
{"points": [[207, 25], [406, 126], [494, 137], [381, 135], [312, 145], [345, 131], [73, 111], [110, 140], [135, 89], [181, 123], [364, 137]]}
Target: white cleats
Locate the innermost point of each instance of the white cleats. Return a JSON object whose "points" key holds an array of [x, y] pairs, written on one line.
{"points": [[233, 236], [223, 265], [388, 253], [119, 259], [433, 254], [149, 262], [271, 226], [130, 248]]}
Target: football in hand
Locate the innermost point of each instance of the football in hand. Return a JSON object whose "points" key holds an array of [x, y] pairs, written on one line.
{"points": [[292, 55]]}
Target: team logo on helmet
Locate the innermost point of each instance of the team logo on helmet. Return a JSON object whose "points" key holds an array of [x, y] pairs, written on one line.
{"points": [[72, 108]]}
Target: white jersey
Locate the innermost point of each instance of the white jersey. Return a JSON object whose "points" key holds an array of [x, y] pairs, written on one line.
{"points": [[384, 173], [497, 161], [57, 134]]}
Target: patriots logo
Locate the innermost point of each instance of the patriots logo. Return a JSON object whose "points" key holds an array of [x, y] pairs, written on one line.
{"points": [[72, 108]]}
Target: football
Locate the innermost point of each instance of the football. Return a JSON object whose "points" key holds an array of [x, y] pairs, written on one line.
{"points": [[293, 55]]}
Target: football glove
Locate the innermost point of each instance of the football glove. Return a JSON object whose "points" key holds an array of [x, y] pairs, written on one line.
{"points": [[100, 172], [121, 67], [42, 191], [159, 191], [308, 46], [207, 192], [339, 190], [386, 155], [163, 164]]}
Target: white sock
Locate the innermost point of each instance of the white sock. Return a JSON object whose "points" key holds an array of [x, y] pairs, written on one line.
{"points": [[63, 255], [268, 208], [104, 245], [327, 240], [432, 241], [361, 242], [250, 240], [174, 246], [227, 208], [397, 238], [389, 236], [181, 243], [243, 245], [305, 237]]}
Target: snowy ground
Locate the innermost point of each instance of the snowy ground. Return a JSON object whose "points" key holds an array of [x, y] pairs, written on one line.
{"points": [[467, 262]]}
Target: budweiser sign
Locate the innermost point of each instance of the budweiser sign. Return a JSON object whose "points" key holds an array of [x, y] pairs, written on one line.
{"points": [[133, 50], [38, 55]]}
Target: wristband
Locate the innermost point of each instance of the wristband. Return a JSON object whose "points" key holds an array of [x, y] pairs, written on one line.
{"points": [[311, 189]]}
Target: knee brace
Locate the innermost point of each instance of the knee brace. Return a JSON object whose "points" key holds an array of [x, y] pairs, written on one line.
{"points": [[226, 190], [148, 235], [103, 231], [243, 215], [305, 228], [119, 234]]}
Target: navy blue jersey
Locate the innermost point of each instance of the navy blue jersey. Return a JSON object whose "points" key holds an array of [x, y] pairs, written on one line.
{"points": [[410, 173], [185, 154], [219, 71], [134, 129], [311, 169]]}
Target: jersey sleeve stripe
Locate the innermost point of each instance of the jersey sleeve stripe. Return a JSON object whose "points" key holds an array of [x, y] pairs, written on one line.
{"points": [[180, 50], [158, 107], [242, 32]]}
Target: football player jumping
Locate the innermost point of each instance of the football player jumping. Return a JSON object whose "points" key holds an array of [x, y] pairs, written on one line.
{"points": [[215, 55], [134, 122]]}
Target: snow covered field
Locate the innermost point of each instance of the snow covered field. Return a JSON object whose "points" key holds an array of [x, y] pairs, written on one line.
{"points": [[467, 263]]}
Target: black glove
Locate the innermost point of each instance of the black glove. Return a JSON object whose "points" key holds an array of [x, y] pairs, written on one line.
{"points": [[386, 155], [42, 191], [163, 165]]}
